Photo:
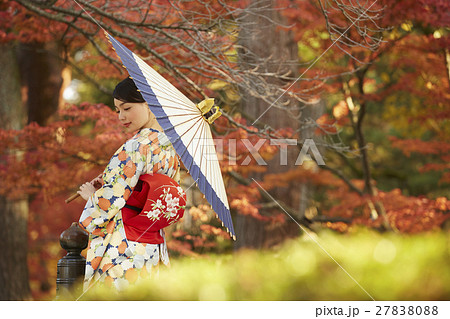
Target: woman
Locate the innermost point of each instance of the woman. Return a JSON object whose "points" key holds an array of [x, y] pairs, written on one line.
{"points": [[112, 257]]}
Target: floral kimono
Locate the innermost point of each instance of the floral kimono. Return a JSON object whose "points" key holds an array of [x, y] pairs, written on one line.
{"points": [[111, 258]]}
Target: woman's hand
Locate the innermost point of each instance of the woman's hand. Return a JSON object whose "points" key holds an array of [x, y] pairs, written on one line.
{"points": [[97, 182], [86, 190], [89, 188]]}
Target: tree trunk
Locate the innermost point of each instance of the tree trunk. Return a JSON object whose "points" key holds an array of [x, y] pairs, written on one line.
{"points": [[268, 50], [30, 91], [310, 113], [40, 70], [14, 284]]}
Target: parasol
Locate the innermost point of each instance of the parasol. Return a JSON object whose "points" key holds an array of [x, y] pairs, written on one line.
{"points": [[186, 125]]}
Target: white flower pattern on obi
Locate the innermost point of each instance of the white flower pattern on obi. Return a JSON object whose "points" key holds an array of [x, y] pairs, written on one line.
{"points": [[173, 204], [158, 204], [169, 211], [154, 214]]}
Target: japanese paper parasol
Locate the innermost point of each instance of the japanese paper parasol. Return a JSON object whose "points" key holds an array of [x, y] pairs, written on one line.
{"points": [[186, 125]]}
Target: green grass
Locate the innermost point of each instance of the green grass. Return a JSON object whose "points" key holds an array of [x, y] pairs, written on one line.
{"points": [[384, 266]]}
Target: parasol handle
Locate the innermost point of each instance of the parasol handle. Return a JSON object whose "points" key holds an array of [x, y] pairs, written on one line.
{"points": [[72, 197]]}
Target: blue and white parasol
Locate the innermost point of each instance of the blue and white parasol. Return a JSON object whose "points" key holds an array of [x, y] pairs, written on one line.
{"points": [[187, 127]]}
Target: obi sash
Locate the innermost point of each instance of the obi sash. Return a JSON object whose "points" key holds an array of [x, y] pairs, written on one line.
{"points": [[157, 201]]}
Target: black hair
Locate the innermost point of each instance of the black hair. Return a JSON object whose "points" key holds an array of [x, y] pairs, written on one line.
{"points": [[126, 91]]}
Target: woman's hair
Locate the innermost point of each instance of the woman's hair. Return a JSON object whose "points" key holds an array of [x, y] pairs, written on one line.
{"points": [[126, 91]]}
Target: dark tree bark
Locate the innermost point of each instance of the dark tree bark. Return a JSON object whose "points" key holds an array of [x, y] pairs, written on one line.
{"points": [[310, 113], [30, 85], [273, 52], [14, 284], [40, 70]]}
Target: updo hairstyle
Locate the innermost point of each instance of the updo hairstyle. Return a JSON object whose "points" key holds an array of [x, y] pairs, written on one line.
{"points": [[126, 91]]}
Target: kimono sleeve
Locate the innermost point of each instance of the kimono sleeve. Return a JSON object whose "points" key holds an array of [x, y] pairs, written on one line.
{"points": [[119, 179]]}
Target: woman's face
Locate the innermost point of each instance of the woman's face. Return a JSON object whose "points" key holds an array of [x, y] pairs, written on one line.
{"points": [[134, 116]]}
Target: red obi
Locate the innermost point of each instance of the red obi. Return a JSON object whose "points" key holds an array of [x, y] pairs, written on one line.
{"points": [[156, 202]]}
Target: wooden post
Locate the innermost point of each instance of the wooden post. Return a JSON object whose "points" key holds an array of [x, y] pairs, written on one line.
{"points": [[72, 266]]}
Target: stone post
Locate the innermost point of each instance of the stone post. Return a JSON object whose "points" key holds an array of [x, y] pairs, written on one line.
{"points": [[71, 267]]}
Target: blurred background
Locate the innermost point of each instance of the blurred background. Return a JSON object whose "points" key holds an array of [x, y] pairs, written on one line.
{"points": [[367, 83]]}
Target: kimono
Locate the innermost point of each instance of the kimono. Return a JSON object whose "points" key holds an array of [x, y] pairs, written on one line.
{"points": [[112, 259]]}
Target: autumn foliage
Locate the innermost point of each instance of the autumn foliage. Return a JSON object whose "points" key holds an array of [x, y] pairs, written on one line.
{"points": [[386, 97]]}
